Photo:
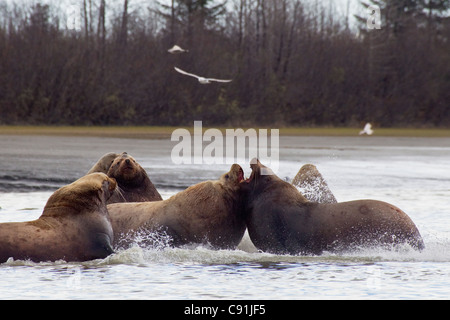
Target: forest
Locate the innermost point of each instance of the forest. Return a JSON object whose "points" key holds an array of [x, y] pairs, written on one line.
{"points": [[292, 62]]}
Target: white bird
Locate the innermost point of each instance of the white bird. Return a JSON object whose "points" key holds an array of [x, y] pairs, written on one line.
{"points": [[202, 80], [367, 130], [177, 49]]}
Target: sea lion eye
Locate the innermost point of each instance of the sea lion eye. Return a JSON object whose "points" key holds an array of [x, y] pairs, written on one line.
{"points": [[227, 176]]}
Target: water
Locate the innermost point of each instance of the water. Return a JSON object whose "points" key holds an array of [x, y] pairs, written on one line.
{"points": [[411, 173]]}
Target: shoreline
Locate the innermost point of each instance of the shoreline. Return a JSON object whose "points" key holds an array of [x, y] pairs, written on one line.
{"points": [[163, 132]]}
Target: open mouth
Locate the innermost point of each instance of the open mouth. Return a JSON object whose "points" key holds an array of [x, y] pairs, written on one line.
{"points": [[249, 179], [254, 167], [241, 175]]}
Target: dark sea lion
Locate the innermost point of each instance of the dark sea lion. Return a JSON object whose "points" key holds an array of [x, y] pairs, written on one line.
{"points": [[209, 212], [312, 185], [281, 220], [133, 181], [74, 225], [104, 163]]}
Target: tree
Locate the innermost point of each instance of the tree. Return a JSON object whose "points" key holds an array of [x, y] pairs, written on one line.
{"points": [[401, 56], [292, 62], [190, 16]]}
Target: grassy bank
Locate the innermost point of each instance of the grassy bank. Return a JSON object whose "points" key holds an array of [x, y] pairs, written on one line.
{"points": [[165, 132], [89, 131]]}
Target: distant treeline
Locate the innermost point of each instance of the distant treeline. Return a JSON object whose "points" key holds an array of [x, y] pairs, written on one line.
{"points": [[293, 63]]}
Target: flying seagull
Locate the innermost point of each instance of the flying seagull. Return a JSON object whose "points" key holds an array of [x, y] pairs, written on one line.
{"points": [[202, 80], [177, 49], [367, 130]]}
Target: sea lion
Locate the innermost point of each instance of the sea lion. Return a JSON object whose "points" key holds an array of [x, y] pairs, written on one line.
{"points": [[104, 163], [312, 185], [281, 220], [209, 212], [133, 181], [74, 225]]}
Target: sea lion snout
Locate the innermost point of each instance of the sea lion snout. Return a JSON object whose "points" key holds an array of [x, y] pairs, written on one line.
{"points": [[235, 175], [123, 166], [255, 164]]}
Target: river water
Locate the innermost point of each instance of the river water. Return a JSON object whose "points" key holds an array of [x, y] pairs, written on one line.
{"points": [[411, 173]]}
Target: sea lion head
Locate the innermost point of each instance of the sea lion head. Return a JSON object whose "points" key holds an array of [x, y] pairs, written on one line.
{"points": [[85, 193], [262, 180], [104, 163], [127, 171], [312, 185], [308, 171], [309, 176], [234, 177], [259, 169], [260, 174]]}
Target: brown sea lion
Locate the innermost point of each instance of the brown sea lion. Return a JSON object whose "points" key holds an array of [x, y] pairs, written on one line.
{"points": [[103, 164], [74, 225], [312, 185], [133, 181], [281, 220], [209, 212]]}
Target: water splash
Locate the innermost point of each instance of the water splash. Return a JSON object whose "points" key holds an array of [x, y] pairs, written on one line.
{"points": [[154, 240], [160, 252]]}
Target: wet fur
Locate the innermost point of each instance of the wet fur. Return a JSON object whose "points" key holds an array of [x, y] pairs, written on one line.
{"points": [[209, 212], [313, 185], [133, 182], [104, 163], [281, 220], [74, 225]]}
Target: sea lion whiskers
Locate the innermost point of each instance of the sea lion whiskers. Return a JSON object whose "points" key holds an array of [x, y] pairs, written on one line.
{"points": [[119, 192], [134, 182]]}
